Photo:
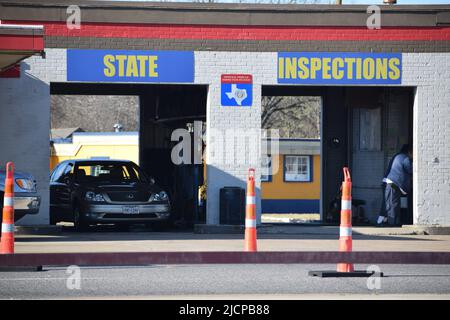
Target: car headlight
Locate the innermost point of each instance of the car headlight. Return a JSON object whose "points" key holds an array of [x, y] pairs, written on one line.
{"points": [[26, 184], [95, 197], [160, 196], [163, 195]]}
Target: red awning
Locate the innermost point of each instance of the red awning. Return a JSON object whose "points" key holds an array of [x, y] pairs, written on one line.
{"points": [[18, 42]]}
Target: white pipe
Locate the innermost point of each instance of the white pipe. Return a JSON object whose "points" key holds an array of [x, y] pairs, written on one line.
{"points": [[25, 27]]}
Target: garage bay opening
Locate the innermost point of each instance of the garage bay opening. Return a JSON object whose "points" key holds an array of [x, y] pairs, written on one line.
{"points": [[164, 111], [322, 130], [290, 180], [95, 125]]}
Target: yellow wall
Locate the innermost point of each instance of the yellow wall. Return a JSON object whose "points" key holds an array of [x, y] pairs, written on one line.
{"points": [[123, 152], [278, 189]]}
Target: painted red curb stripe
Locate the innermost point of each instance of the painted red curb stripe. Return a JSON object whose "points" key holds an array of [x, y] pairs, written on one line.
{"points": [[215, 32], [147, 258]]}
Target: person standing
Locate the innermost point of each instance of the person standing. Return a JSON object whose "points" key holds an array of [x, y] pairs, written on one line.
{"points": [[397, 182]]}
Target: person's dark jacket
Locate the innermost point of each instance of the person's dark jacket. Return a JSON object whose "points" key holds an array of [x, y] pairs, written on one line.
{"points": [[400, 171]]}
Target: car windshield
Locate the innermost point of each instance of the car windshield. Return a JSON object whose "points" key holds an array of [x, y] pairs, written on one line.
{"points": [[108, 172]]}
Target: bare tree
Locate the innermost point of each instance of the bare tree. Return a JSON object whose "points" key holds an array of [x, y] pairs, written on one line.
{"points": [[294, 117], [94, 113]]}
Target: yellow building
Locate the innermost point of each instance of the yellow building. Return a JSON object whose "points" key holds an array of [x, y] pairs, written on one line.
{"points": [[291, 185], [103, 145], [292, 182]]}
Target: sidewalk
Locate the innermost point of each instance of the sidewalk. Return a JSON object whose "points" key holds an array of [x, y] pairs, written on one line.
{"points": [[312, 239]]}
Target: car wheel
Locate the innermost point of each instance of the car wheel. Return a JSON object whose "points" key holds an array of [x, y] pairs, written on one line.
{"points": [[53, 219], [79, 221]]}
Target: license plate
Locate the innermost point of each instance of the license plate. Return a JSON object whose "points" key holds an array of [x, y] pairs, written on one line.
{"points": [[130, 210]]}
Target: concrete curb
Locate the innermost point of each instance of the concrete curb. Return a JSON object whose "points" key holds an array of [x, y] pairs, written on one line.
{"points": [[219, 257], [286, 220], [430, 230], [38, 230], [325, 230], [334, 230]]}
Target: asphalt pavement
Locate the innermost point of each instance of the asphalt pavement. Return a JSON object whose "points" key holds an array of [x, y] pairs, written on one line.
{"points": [[274, 281], [231, 281]]}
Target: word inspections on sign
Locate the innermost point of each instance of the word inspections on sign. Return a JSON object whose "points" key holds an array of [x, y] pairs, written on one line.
{"points": [[336, 68], [130, 66]]}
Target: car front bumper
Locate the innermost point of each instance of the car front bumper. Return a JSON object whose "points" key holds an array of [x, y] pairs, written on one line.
{"points": [[27, 203], [110, 213]]}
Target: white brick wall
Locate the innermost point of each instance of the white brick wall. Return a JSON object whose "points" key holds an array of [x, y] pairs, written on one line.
{"points": [[25, 106], [430, 72], [208, 68]]}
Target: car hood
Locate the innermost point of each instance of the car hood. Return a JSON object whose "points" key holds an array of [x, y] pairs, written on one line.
{"points": [[17, 175]]}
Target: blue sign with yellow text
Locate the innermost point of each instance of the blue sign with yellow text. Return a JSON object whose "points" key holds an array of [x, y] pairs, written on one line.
{"points": [[335, 68], [130, 66]]}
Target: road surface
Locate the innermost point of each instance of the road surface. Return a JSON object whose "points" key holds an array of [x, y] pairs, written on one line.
{"points": [[274, 281]]}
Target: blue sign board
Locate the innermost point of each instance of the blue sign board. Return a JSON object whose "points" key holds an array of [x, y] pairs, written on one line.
{"points": [[236, 90], [130, 66], [337, 68]]}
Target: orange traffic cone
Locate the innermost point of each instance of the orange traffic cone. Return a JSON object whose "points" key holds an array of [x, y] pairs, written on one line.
{"points": [[7, 240], [250, 213], [345, 230], [345, 236]]}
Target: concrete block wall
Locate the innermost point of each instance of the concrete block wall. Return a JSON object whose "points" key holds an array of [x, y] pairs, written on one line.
{"points": [[25, 122], [25, 104]]}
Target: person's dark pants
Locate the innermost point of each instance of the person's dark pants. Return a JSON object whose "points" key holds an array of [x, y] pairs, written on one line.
{"points": [[392, 197], [383, 202]]}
